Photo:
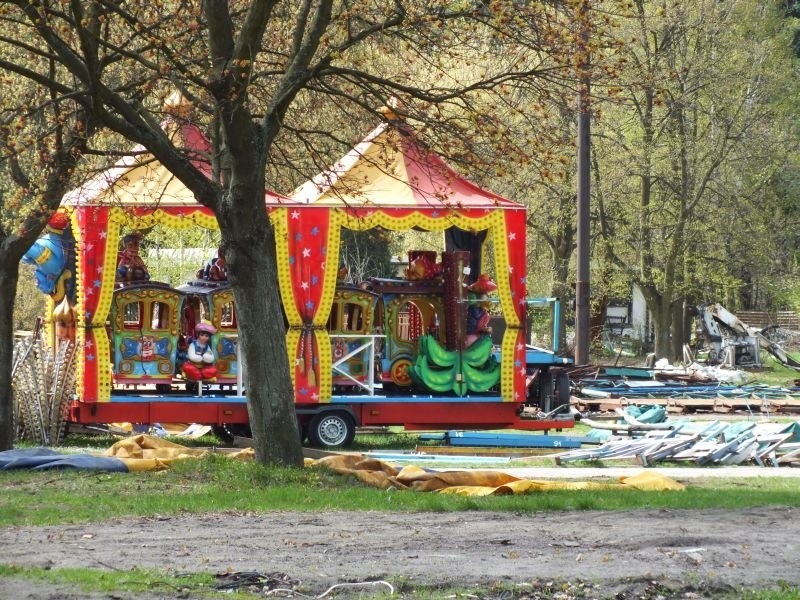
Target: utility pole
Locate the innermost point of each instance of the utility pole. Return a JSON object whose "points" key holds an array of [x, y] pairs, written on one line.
{"points": [[583, 192]]}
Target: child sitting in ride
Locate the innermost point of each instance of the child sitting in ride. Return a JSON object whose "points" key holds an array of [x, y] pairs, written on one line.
{"points": [[200, 357]]}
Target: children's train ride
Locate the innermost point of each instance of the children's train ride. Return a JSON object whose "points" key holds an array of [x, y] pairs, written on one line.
{"points": [[388, 337], [421, 350]]}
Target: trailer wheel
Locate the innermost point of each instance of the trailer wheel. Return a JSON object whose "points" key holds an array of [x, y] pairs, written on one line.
{"points": [[562, 392], [331, 430], [545, 395]]}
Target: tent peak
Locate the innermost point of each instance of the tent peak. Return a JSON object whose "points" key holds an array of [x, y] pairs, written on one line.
{"points": [[389, 113], [177, 105]]}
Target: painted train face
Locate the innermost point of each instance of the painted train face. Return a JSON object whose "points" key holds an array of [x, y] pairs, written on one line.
{"points": [[152, 323]]}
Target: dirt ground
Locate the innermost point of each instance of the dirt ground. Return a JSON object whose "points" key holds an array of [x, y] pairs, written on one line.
{"points": [[637, 554]]}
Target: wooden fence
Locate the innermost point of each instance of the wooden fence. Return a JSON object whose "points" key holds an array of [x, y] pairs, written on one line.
{"points": [[787, 319]]}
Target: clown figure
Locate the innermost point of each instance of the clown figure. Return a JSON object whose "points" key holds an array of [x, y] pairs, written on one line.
{"points": [[200, 357], [130, 266], [478, 309]]}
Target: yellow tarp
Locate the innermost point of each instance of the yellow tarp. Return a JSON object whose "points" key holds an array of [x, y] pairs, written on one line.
{"points": [[476, 482], [149, 453]]}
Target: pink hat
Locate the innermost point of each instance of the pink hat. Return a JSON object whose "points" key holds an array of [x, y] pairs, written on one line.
{"points": [[204, 327]]}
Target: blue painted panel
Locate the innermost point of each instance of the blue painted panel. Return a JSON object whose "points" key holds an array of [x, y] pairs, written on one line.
{"points": [[488, 439]]}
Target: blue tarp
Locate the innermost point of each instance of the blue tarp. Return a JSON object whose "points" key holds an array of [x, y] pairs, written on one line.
{"points": [[44, 458]]}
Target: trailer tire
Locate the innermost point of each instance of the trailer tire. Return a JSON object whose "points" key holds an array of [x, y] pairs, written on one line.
{"points": [[331, 430], [545, 394], [562, 390]]}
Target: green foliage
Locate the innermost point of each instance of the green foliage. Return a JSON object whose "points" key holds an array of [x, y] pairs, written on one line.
{"points": [[174, 256], [29, 302], [775, 373], [368, 253]]}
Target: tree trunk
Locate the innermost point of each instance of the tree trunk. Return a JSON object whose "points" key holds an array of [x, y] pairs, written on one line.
{"points": [[662, 319], [248, 241], [678, 330], [9, 273]]}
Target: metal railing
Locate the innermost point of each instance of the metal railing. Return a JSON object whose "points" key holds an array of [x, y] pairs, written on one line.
{"points": [[367, 346]]}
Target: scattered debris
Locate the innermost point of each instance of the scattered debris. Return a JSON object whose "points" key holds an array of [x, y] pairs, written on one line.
{"points": [[255, 582], [701, 443]]}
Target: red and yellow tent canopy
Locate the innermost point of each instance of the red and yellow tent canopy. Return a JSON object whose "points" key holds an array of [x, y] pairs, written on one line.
{"points": [[388, 180]]}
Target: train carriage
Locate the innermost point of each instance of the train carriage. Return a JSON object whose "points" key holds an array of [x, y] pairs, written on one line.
{"points": [[144, 328], [353, 326]]}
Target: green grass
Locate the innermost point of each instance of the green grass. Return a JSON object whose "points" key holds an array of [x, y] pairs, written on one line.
{"points": [[774, 373], [133, 581], [218, 483]]}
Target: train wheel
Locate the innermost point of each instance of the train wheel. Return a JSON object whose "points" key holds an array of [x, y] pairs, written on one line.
{"points": [[331, 430], [400, 372]]}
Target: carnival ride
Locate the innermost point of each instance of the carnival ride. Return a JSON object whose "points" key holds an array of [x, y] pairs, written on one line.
{"points": [[385, 352]]}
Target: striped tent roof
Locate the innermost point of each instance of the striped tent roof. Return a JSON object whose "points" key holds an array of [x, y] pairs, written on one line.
{"points": [[390, 168]]}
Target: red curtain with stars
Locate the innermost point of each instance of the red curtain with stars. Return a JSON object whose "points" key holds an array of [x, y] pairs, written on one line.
{"points": [[91, 315], [308, 232], [517, 280]]}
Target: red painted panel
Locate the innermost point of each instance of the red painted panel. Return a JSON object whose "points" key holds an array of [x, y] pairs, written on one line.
{"points": [[209, 413]]}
